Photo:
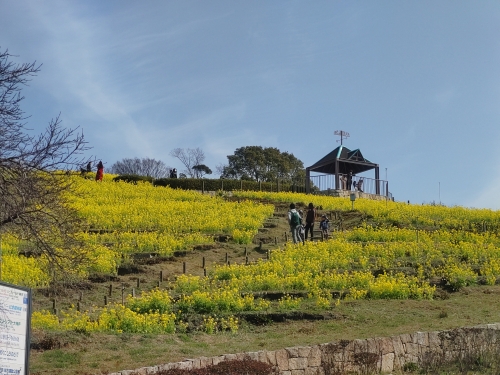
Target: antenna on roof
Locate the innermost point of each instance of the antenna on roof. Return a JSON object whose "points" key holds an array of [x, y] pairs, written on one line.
{"points": [[342, 134]]}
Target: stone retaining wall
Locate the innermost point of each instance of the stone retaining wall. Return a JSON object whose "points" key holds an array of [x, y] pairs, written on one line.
{"points": [[363, 356]]}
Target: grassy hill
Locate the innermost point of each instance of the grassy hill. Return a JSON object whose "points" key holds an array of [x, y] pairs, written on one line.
{"points": [[179, 274]]}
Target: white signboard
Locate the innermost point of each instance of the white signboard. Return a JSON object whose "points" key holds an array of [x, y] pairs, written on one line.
{"points": [[15, 317]]}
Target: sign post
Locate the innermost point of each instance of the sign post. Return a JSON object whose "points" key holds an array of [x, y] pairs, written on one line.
{"points": [[15, 324]]}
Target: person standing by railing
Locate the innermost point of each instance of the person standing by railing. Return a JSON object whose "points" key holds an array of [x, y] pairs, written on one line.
{"points": [[360, 185]]}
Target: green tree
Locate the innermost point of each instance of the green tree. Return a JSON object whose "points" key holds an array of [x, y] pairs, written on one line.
{"points": [[201, 170], [263, 164]]}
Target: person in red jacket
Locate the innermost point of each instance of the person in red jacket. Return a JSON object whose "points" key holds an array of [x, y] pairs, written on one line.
{"points": [[100, 171]]}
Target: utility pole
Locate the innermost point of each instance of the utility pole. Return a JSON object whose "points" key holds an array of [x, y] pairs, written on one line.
{"points": [[342, 134]]}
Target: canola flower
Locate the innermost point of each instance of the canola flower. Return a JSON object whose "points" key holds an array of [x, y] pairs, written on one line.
{"points": [[376, 260]]}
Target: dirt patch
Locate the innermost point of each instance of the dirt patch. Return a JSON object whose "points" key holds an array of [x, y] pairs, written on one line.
{"points": [[264, 318]]}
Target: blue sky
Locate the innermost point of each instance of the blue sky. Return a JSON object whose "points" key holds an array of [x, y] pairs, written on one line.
{"points": [[415, 83]]}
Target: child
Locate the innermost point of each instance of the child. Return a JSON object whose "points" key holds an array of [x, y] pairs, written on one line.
{"points": [[323, 225]]}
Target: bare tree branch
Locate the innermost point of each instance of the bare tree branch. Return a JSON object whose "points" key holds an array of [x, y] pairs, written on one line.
{"points": [[189, 158], [142, 167], [33, 186]]}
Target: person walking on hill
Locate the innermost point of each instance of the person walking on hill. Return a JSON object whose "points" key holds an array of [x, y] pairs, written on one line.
{"points": [[100, 171], [294, 221], [301, 230], [310, 217]]}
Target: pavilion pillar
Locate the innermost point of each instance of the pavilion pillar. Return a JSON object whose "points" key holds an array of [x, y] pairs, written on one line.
{"points": [[308, 181], [377, 180], [337, 185]]}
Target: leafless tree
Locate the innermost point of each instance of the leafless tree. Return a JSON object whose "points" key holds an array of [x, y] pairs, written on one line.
{"points": [[33, 184], [189, 158], [142, 167]]}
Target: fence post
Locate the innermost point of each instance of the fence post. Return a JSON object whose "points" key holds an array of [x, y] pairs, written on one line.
{"points": [[203, 187]]}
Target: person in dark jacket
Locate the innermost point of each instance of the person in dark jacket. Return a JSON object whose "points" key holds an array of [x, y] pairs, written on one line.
{"points": [[310, 217]]}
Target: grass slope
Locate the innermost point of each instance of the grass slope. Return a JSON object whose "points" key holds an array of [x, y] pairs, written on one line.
{"points": [[78, 353]]}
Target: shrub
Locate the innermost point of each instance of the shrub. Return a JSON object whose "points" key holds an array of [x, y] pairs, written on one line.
{"points": [[133, 178], [235, 367]]}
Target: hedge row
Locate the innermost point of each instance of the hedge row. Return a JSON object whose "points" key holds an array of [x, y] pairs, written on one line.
{"points": [[133, 178], [226, 185]]}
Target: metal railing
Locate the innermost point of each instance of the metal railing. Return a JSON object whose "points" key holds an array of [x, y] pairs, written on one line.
{"points": [[362, 184]]}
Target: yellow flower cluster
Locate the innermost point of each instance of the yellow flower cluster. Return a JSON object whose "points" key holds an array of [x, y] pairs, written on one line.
{"points": [[377, 260]]}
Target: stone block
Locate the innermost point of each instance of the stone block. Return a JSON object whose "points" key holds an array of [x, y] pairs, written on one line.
{"points": [[287, 372], [314, 371], [420, 338], [372, 345], [314, 358], [271, 357], [386, 346], [166, 367], [262, 356], [127, 372], [292, 352], [297, 363], [184, 365], [282, 359], [297, 372], [195, 363], [230, 357], [387, 364], [412, 349], [205, 361], [217, 360], [241, 356], [141, 371], [360, 346], [434, 340], [405, 338], [304, 351], [253, 356]]}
